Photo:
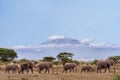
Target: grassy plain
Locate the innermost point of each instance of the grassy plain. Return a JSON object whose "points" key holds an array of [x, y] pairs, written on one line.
{"points": [[58, 75]]}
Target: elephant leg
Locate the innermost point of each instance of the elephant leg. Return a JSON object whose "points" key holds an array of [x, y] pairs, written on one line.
{"points": [[5, 71], [73, 69], [22, 71], [63, 71], [66, 70], [81, 71], [100, 70], [40, 70], [46, 70], [109, 69], [97, 70], [70, 70], [13, 71], [87, 71], [105, 70], [8, 71], [27, 70], [32, 70]]}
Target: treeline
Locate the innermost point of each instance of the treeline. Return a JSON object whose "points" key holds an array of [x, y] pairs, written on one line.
{"points": [[61, 58]]}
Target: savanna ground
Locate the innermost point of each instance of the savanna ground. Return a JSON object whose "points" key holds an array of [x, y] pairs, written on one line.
{"points": [[58, 75]]}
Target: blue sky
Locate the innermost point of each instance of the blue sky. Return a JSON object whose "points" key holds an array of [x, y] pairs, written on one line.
{"points": [[25, 22]]}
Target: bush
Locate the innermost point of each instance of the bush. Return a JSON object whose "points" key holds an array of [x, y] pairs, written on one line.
{"points": [[116, 77], [24, 60]]}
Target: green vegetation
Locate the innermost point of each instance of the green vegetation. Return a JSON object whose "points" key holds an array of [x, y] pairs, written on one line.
{"points": [[24, 60], [116, 77], [7, 54], [64, 57], [50, 59], [115, 58]]}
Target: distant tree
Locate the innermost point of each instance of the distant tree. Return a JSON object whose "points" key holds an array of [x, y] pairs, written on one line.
{"points": [[50, 59], [64, 57], [94, 62], [115, 58], [24, 60], [7, 54], [76, 62]]}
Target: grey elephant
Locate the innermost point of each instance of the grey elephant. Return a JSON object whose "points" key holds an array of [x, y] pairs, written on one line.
{"points": [[69, 66], [104, 64], [86, 68], [26, 66], [11, 67], [46, 66]]}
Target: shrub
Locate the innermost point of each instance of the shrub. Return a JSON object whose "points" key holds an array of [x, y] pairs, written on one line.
{"points": [[116, 77]]}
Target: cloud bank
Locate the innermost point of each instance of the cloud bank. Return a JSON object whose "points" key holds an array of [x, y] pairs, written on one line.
{"points": [[86, 49]]}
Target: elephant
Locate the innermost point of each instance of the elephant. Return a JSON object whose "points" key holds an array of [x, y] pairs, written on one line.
{"points": [[46, 66], [104, 64], [86, 68], [26, 66], [69, 66], [11, 67]]}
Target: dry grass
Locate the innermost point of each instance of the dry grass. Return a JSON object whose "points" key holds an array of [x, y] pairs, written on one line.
{"points": [[58, 75]]}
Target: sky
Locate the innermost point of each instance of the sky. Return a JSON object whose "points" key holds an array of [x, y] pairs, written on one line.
{"points": [[24, 22]]}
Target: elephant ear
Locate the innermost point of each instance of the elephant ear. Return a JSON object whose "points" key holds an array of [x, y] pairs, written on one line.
{"points": [[110, 61]]}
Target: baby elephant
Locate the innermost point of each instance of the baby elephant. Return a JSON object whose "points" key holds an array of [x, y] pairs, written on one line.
{"points": [[86, 68], [11, 67]]}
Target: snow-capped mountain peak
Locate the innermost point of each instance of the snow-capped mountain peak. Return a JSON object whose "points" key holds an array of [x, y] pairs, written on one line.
{"points": [[59, 41]]}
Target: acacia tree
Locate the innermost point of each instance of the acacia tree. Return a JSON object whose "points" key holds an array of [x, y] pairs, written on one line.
{"points": [[50, 59], [65, 57], [7, 54], [115, 58]]}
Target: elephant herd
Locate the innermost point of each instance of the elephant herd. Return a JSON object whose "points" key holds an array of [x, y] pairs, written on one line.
{"points": [[46, 66], [28, 66]]}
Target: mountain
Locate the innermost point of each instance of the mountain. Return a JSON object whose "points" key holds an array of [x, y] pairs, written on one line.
{"points": [[82, 50], [61, 41]]}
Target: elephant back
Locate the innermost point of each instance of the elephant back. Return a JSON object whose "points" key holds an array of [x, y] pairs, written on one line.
{"points": [[101, 64], [46, 64], [86, 67], [69, 65]]}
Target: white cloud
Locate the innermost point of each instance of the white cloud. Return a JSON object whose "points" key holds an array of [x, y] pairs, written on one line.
{"points": [[57, 37], [85, 59], [87, 41], [104, 45], [23, 47]]}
